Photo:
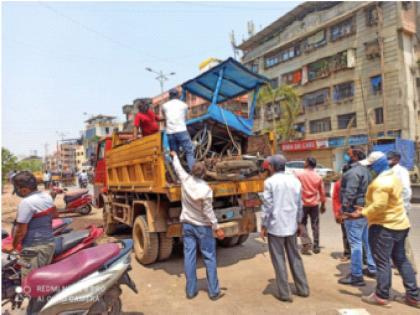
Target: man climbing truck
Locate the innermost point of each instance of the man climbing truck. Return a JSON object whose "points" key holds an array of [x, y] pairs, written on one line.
{"points": [[137, 186]]}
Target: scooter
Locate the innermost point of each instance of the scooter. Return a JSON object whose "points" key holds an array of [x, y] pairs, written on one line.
{"points": [[77, 201], [70, 243], [86, 282]]}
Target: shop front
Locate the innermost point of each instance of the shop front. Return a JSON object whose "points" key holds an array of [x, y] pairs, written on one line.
{"points": [[300, 150]]}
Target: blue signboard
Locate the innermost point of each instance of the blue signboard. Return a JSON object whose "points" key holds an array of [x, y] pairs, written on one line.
{"points": [[353, 140]]}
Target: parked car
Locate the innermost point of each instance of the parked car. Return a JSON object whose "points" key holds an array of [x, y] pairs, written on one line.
{"points": [[293, 166]]}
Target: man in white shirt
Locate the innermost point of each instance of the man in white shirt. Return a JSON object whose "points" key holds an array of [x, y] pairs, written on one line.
{"points": [[404, 177], [175, 112], [198, 224], [281, 219]]}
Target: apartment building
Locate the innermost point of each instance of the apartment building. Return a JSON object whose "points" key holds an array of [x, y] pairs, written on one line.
{"points": [[355, 67]]}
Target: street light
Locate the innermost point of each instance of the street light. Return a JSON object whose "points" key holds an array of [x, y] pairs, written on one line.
{"points": [[161, 77]]}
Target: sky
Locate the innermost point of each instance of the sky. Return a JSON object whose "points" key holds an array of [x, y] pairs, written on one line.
{"points": [[63, 62]]}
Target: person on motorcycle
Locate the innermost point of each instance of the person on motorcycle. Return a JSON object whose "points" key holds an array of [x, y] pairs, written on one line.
{"points": [[33, 226], [83, 179]]}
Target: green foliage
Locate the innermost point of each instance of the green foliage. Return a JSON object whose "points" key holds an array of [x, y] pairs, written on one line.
{"points": [[30, 165], [8, 163], [290, 107]]}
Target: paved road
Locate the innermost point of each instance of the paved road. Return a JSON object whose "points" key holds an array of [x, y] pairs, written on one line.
{"points": [[246, 274]]}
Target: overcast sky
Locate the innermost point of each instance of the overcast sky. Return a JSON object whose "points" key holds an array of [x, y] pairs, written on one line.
{"points": [[60, 60]]}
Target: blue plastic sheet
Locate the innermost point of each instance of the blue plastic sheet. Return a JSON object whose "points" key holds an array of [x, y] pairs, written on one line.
{"points": [[405, 147]]}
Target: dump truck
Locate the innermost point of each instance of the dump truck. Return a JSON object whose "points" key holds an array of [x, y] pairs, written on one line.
{"points": [[136, 186]]}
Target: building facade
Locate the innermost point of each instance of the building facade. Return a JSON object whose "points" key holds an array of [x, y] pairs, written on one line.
{"points": [[355, 68], [97, 127], [67, 161], [80, 157]]}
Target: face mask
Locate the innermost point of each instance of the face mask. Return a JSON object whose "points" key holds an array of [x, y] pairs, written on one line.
{"points": [[347, 158]]}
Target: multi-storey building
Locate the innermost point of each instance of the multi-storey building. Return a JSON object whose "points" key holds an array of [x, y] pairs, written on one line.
{"points": [[355, 67], [68, 156], [80, 157], [97, 127]]}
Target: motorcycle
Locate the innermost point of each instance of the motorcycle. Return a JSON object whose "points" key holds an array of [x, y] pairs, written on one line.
{"points": [[70, 243], [60, 226], [86, 282], [77, 201]]}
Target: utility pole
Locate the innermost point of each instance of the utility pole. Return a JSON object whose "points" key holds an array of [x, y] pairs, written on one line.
{"points": [[380, 37], [161, 77]]}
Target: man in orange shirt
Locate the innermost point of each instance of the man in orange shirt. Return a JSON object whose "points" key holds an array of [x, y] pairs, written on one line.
{"points": [[313, 193]]}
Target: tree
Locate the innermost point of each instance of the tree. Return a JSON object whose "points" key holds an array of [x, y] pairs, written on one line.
{"points": [[290, 107], [33, 165], [8, 163]]}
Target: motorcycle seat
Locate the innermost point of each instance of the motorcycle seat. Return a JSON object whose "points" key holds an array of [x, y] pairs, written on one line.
{"points": [[73, 195], [48, 279], [69, 240]]}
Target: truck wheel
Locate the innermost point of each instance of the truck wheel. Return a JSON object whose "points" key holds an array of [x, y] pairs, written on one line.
{"points": [[229, 241], [109, 227], [146, 244], [165, 246], [242, 238]]}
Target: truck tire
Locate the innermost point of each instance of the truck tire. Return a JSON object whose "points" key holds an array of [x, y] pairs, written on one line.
{"points": [[242, 238], [109, 227], [229, 241], [146, 244], [165, 246]]}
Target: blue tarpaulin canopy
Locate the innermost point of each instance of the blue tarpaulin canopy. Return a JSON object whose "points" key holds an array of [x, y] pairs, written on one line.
{"points": [[223, 82]]}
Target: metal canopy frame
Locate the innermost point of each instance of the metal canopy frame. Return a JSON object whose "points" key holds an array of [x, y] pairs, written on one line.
{"points": [[233, 80]]}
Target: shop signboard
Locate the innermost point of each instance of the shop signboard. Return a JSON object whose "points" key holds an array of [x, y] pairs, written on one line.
{"points": [[353, 140], [304, 145]]}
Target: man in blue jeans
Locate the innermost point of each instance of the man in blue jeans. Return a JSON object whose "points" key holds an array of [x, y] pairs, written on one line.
{"points": [[353, 189], [388, 230], [175, 112], [198, 223]]}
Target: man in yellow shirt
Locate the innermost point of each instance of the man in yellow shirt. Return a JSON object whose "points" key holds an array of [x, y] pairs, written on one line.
{"points": [[388, 229]]}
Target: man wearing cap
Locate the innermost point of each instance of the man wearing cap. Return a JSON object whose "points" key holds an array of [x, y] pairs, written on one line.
{"points": [[175, 112], [280, 220], [388, 229], [354, 185], [404, 177], [145, 119]]}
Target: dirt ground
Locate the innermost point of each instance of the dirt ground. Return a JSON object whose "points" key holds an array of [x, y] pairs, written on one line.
{"points": [[246, 277]]}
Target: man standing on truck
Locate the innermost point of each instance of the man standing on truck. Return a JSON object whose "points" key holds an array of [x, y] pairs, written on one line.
{"points": [[175, 112], [33, 225], [198, 223], [312, 187], [280, 220], [145, 119]]}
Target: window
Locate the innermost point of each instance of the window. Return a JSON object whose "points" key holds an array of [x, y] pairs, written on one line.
{"points": [[274, 83], [282, 55], [320, 125], [342, 29], [106, 130], [372, 16], [376, 83], [406, 5], [318, 69], [101, 152], [253, 66], [299, 127], [272, 112], [343, 91], [372, 49], [345, 120], [315, 41], [292, 78], [379, 115], [316, 98]]}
